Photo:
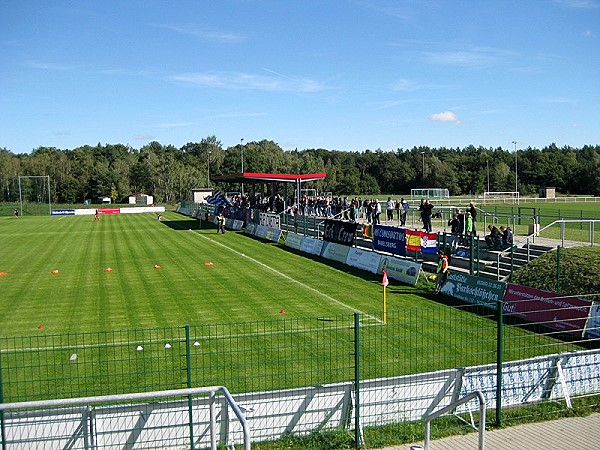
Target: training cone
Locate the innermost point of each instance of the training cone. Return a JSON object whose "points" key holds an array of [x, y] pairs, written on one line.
{"points": [[40, 327], [282, 311], [139, 348], [54, 272], [208, 264], [3, 274], [108, 269], [156, 266], [167, 345]]}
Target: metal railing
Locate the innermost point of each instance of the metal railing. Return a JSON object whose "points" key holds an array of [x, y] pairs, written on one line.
{"points": [[525, 241], [90, 433], [452, 407]]}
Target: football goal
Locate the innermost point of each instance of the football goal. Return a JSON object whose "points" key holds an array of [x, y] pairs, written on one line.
{"points": [[430, 193], [25, 194], [501, 196]]}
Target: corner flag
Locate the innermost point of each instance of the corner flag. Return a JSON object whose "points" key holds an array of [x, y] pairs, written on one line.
{"points": [[385, 281]]}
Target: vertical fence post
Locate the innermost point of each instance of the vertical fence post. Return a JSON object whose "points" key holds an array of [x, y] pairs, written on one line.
{"points": [[512, 262], [357, 438], [499, 359], [471, 256], [2, 431], [558, 268], [188, 369]]}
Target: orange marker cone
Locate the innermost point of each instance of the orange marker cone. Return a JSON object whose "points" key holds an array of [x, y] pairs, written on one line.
{"points": [[108, 269], [54, 272]]}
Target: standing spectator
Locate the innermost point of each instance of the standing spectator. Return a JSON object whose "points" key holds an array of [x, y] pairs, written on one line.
{"points": [[471, 209], [420, 209], [454, 225], [16, 212], [220, 223], [389, 209], [403, 211], [442, 270], [468, 227], [426, 212], [376, 207]]}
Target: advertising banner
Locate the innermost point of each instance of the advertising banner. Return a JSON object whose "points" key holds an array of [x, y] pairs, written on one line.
{"points": [[109, 210], [293, 240], [335, 252], [312, 246], [63, 212], [475, 290], [363, 259], [270, 220], [403, 270], [273, 234], [592, 328], [552, 310], [389, 239], [339, 232]]}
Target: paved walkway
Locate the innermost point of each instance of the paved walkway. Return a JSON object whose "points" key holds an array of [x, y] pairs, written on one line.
{"points": [[581, 433]]}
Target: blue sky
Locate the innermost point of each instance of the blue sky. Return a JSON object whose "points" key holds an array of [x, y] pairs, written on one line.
{"points": [[337, 74]]}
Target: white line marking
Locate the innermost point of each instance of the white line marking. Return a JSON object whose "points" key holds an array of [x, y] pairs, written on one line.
{"points": [[293, 280]]}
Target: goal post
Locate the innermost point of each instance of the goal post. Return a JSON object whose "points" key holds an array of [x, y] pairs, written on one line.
{"points": [[501, 196], [34, 194]]}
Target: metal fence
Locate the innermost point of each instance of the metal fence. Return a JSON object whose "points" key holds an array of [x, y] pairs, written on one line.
{"points": [[383, 375]]}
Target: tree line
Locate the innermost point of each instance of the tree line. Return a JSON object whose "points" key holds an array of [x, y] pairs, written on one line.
{"points": [[169, 173]]}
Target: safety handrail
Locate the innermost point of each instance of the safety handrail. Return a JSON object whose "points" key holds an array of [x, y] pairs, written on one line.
{"points": [[212, 390], [452, 406]]}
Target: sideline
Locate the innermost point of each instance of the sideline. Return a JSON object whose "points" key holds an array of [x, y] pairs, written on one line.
{"points": [[293, 280]]}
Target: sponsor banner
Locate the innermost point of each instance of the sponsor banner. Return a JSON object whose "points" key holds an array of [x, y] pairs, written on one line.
{"points": [[237, 224], [592, 328], [312, 246], [403, 270], [335, 252], [63, 212], [475, 290], [85, 212], [293, 240], [428, 243], [339, 232], [363, 259], [273, 234], [251, 228], [109, 210], [270, 220], [550, 309], [413, 240], [261, 231], [389, 239]]}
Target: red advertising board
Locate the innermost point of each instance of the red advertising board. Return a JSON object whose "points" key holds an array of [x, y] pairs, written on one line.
{"points": [[109, 210], [552, 310]]}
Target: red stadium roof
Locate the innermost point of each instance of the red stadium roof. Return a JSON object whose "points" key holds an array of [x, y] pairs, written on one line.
{"points": [[249, 177]]}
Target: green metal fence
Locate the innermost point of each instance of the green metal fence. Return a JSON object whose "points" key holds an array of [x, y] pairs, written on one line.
{"points": [[279, 355]]}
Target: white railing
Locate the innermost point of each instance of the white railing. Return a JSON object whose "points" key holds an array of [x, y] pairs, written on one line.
{"points": [[452, 407], [117, 428]]}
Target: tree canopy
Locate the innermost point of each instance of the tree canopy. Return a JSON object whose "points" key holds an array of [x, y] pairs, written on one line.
{"points": [[169, 173]]}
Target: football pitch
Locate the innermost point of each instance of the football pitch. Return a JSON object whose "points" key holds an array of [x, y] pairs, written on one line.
{"points": [[78, 297], [72, 274]]}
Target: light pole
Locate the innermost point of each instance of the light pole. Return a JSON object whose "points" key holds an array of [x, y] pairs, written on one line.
{"points": [[487, 163], [208, 174], [423, 153], [516, 177], [242, 148]]}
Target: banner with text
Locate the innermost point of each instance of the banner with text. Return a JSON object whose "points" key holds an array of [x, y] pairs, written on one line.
{"points": [[549, 309], [475, 290], [403, 270], [339, 232], [389, 239]]}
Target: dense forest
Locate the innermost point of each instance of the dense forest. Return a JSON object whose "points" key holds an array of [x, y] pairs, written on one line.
{"points": [[169, 173]]}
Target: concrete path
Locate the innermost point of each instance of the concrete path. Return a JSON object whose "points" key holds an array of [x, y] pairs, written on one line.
{"points": [[581, 433]]}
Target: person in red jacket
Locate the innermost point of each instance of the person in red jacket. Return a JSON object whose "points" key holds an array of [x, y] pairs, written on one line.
{"points": [[442, 270]]}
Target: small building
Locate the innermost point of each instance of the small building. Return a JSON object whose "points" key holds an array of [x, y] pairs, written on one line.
{"points": [[139, 198], [547, 192]]}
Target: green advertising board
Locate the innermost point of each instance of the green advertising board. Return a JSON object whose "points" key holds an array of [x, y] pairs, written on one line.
{"points": [[474, 290]]}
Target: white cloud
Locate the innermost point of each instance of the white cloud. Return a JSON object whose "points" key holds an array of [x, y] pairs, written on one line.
{"points": [[446, 116], [582, 4], [207, 35], [248, 81]]}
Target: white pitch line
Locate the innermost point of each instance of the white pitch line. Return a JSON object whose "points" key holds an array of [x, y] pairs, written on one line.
{"points": [[293, 280]]}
